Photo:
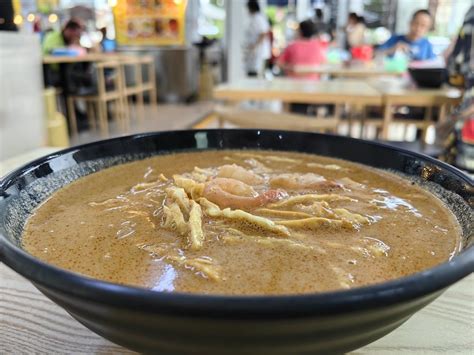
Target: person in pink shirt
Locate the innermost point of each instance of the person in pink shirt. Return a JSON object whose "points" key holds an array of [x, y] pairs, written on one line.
{"points": [[305, 51]]}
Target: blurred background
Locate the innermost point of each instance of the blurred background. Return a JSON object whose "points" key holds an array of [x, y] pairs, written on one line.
{"points": [[76, 71]]}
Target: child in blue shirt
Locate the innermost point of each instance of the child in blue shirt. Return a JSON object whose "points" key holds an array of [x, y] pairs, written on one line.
{"points": [[414, 44]]}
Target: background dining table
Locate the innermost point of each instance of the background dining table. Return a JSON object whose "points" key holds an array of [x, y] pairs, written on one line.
{"points": [[290, 90], [387, 93], [354, 71], [31, 323], [91, 57]]}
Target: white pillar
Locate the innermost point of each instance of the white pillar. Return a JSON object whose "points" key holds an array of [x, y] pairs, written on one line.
{"points": [[356, 6], [303, 10], [342, 12], [405, 10], [236, 22]]}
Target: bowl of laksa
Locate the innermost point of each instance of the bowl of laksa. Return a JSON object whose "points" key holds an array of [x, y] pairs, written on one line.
{"points": [[231, 241]]}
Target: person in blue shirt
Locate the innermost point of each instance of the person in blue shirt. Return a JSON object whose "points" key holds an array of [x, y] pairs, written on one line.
{"points": [[414, 44]]}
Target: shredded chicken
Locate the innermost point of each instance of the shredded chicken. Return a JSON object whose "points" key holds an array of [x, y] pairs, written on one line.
{"points": [[282, 214], [200, 265], [351, 217], [174, 219], [180, 197], [192, 187], [195, 224], [213, 210], [272, 242], [308, 198], [315, 223]]}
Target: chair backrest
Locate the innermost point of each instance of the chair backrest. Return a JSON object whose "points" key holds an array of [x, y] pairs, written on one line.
{"points": [[105, 75], [148, 63], [129, 64]]}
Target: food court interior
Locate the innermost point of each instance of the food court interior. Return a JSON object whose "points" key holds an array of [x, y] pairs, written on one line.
{"points": [[76, 71]]}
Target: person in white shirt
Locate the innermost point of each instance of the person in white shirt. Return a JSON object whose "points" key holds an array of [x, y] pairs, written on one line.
{"points": [[257, 43]]}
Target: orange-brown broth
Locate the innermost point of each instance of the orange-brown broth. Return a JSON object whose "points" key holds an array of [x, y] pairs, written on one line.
{"points": [[111, 243]]}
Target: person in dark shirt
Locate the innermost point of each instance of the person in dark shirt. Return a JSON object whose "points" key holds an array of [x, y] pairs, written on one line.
{"points": [[456, 135], [321, 28], [414, 44], [7, 16]]}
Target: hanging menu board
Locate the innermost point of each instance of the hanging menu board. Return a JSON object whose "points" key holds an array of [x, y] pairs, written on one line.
{"points": [[150, 22]]}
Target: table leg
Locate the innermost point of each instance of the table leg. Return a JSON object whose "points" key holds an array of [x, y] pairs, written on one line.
{"points": [[442, 113], [338, 109], [426, 123], [91, 115], [71, 116], [140, 106], [363, 117], [64, 83], [103, 124], [387, 119]]}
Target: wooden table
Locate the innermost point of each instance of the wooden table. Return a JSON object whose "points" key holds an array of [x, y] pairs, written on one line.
{"points": [[31, 323], [339, 92], [340, 70], [92, 57], [400, 93], [301, 91]]}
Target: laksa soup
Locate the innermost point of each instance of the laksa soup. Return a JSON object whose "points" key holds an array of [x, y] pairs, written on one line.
{"points": [[243, 223]]}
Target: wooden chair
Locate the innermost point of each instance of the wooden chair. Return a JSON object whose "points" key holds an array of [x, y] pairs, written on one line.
{"points": [[149, 85], [107, 91], [138, 86], [271, 120]]}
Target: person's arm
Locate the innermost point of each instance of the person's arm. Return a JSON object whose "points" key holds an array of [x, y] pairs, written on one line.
{"points": [[392, 45], [285, 58]]}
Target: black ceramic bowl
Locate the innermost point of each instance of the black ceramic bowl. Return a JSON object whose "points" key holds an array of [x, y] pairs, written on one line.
{"points": [[428, 77], [169, 323]]}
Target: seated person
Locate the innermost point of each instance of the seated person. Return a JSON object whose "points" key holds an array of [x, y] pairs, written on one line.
{"points": [[306, 50], [76, 76], [68, 37], [355, 31], [414, 44]]}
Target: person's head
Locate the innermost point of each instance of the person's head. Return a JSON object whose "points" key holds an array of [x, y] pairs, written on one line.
{"points": [[420, 24], [253, 6], [318, 13], [103, 31], [352, 19], [72, 31], [306, 29]]}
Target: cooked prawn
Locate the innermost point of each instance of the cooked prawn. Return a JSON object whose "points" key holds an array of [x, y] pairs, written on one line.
{"points": [[239, 173], [307, 181], [226, 192]]}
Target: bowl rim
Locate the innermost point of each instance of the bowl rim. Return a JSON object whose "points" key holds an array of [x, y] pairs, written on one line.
{"points": [[50, 278]]}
